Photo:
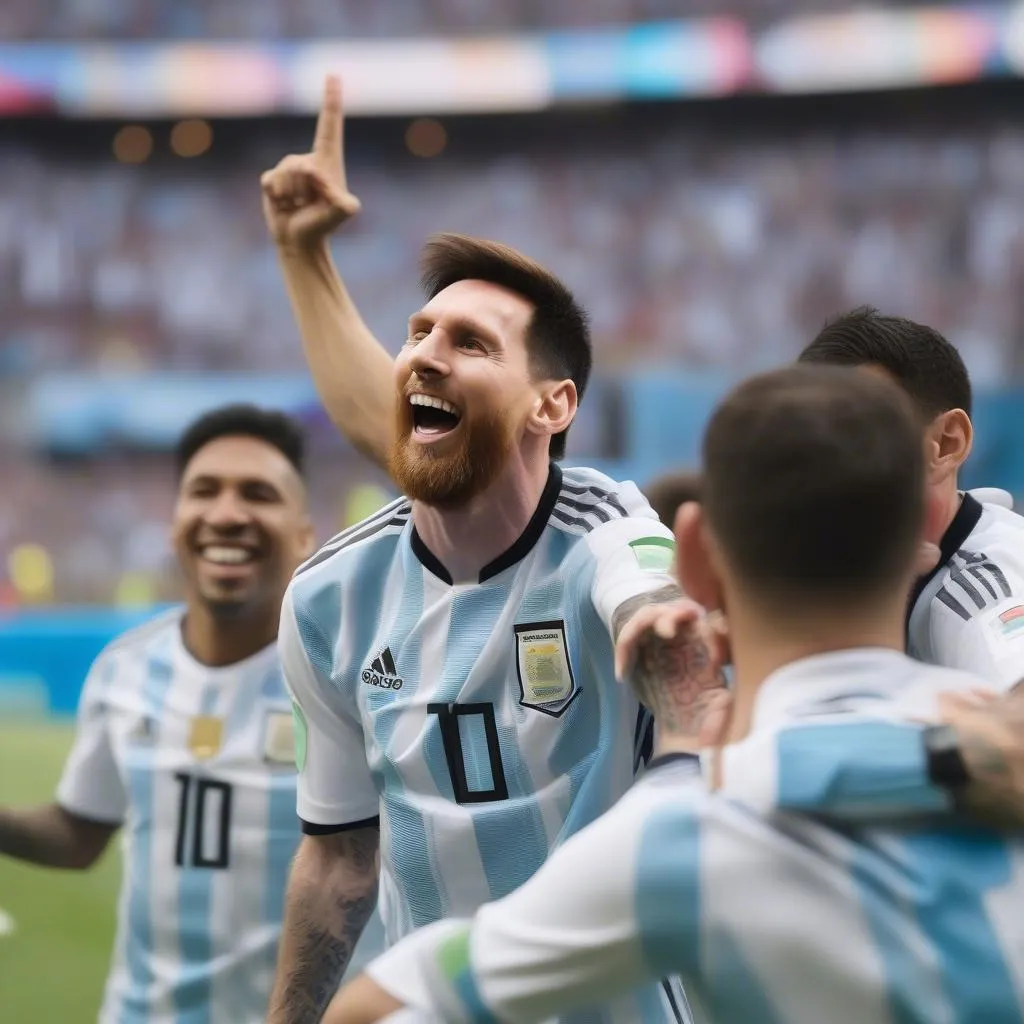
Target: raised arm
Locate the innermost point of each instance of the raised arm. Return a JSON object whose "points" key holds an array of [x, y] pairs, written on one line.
{"points": [[305, 197]]}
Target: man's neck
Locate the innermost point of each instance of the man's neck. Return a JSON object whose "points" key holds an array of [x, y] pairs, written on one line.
{"points": [[217, 642], [947, 505], [761, 648], [466, 539]]}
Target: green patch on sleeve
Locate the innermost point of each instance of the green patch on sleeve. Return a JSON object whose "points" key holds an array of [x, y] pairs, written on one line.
{"points": [[453, 955], [654, 554], [301, 736]]}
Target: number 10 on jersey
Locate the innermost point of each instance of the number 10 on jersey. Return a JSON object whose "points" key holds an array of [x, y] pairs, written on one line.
{"points": [[204, 815]]}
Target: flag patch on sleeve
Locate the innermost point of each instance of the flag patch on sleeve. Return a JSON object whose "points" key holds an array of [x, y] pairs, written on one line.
{"points": [[653, 554], [1010, 624]]}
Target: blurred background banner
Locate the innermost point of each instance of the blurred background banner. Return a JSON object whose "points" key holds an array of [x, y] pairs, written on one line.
{"points": [[867, 48]]}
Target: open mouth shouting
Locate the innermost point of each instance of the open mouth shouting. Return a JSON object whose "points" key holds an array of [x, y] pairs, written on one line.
{"points": [[432, 418]]}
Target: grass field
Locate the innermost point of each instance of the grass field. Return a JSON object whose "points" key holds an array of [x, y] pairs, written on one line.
{"points": [[53, 967]]}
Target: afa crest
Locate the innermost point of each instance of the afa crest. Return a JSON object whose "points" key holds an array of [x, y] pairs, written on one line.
{"points": [[546, 681]]}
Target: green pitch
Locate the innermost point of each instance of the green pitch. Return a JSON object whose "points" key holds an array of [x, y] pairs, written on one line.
{"points": [[53, 967]]}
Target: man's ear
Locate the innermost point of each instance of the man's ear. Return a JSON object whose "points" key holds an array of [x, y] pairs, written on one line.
{"points": [[555, 408], [948, 442], [695, 563]]}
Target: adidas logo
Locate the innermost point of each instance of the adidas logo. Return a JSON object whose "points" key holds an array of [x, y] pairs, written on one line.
{"points": [[382, 672]]}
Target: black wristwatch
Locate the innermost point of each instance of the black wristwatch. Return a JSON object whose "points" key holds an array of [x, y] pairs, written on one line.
{"points": [[946, 766]]}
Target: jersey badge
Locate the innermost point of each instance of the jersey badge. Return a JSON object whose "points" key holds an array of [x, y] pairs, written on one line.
{"points": [[205, 736], [546, 682], [279, 738], [1009, 624]]}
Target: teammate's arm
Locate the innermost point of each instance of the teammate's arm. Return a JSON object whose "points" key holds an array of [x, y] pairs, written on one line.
{"points": [[888, 769], [331, 895], [53, 837], [578, 933], [74, 830], [304, 199]]}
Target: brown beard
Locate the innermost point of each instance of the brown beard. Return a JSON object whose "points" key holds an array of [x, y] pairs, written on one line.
{"points": [[454, 477]]}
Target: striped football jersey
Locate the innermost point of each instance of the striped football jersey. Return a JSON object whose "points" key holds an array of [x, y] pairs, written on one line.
{"points": [[969, 612], [197, 765], [773, 919], [481, 723]]}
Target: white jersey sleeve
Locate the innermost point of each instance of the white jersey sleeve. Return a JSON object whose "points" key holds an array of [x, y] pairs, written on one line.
{"points": [[91, 785], [335, 789], [989, 644], [971, 613], [633, 555], [567, 938]]}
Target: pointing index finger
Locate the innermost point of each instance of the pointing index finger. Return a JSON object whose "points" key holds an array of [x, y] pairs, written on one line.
{"points": [[327, 142]]}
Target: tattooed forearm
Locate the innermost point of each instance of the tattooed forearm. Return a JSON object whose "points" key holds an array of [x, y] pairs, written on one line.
{"points": [[332, 892], [630, 607], [673, 678]]}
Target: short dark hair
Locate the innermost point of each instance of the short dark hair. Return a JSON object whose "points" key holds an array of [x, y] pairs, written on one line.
{"points": [[919, 358], [670, 490], [814, 485], [558, 338], [268, 425]]}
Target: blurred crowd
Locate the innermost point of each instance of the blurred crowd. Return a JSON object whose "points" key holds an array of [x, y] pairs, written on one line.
{"points": [[690, 249], [272, 19], [684, 247]]}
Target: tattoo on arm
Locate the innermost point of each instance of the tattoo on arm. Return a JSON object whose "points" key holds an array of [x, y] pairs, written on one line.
{"points": [[630, 607], [329, 904], [671, 677]]}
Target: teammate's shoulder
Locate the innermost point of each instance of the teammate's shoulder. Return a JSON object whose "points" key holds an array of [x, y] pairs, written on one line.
{"points": [[588, 499], [380, 528], [144, 637]]}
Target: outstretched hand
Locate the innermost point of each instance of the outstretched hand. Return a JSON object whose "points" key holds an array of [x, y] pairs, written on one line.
{"points": [[306, 196]]}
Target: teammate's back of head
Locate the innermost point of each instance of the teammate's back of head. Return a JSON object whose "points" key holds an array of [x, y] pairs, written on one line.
{"points": [[812, 490], [927, 367]]}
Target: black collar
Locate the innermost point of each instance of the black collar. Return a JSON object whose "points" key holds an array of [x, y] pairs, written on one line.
{"points": [[519, 550], [963, 524], [673, 758]]}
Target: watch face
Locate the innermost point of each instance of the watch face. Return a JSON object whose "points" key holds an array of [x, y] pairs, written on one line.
{"points": [[946, 766]]}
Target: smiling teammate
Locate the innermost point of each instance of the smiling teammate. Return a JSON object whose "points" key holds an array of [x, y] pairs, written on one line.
{"points": [[184, 740]]}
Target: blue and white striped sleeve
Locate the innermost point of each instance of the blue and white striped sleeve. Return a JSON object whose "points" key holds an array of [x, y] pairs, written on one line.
{"points": [[335, 790], [850, 769], [91, 785], [570, 937]]}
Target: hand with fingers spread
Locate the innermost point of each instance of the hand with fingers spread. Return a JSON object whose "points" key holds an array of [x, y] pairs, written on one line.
{"points": [[306, 196], [673, 654]]}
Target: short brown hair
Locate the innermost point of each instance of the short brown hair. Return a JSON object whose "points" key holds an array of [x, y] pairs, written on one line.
{"points": [[927, 366], [558, 338], [814, 485], [670, 490]]}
